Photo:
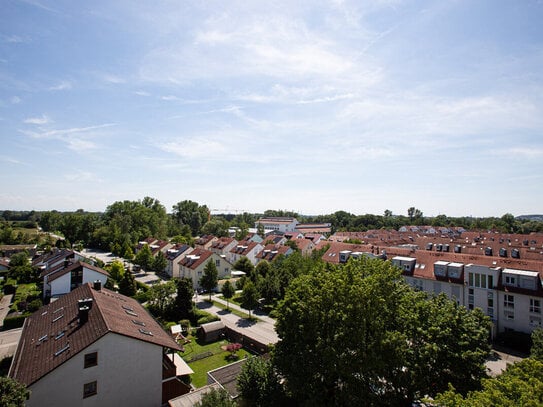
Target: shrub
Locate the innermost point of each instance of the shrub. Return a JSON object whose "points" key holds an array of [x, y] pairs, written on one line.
{"points": [[34, 305], [15, 321], [9, 289], [208, 318]]}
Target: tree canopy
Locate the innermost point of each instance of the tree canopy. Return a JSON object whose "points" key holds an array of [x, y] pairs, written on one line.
{"points": [[359, 335], [210, 277], [12, 393], [520, 385]]}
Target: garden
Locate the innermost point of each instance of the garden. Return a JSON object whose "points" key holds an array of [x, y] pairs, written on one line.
{"points": [[203, 357]]}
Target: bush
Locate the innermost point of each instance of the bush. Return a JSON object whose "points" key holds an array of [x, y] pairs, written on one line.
{"points": [[34, 305], [9, 289], [16, 321], [142, 286], [209, 318], [141, 296]]}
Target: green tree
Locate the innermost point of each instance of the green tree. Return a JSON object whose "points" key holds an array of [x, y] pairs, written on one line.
{"points": [[216, 227], [216, 398], [228, 291], [259, 384], [269, 286], [12, 393], [144, 257], [183, 301], [127, 285], [242, 232], [20, 268], [520, 385], [249, 296], [161, 298], [210, 277], [536, 352], [116, 270], [245, 265], [190, 213], [359, 335], [159, 263], [260, 231]]}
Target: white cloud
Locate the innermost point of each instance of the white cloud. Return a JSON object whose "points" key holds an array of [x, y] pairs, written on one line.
{"points": [[16, 100], [43, 119], [141, 93], [63, 85]]}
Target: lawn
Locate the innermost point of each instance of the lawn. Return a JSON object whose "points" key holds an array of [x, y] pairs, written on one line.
{"points": [[217, 358]]}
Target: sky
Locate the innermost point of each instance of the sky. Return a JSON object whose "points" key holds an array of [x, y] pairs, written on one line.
{"points": [[308, 106]]}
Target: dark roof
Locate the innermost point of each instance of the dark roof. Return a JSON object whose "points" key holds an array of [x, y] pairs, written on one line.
{"points": [[227, 377], [38, 352]]}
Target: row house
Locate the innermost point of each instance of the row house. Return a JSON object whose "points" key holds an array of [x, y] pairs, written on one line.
{"points": [[192, 265], [244, 248], [205, 241], [271, 252], [173, 256], [57, 257], [223, 245], [95, 347], [155, 245], [305, 246]]}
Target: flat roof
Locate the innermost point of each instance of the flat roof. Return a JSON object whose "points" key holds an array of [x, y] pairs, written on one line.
{"points": [[403, 258], [521, 272]]}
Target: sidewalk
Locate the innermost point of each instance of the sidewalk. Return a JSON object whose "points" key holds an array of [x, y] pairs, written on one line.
{"points": [[263, 332], [5, 302]]}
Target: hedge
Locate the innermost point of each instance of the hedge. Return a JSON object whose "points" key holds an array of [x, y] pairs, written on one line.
{"points": [[16, 321]]}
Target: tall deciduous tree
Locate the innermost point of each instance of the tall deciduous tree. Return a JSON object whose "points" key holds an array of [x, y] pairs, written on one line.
{"points": [[536, 351], [190, 213], [216, 398], [249, 296], [520, 385], [183, 300], [358, 335], [159, 263], [228, 291], [144, 257], [245, 265], [210, 277], [127, 285], [259, 384]]}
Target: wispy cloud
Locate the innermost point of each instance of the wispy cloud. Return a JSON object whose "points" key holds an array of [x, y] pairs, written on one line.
{"points": [[41, 120], [63, 85], [75, 138], [14, 39], [15, 100]]}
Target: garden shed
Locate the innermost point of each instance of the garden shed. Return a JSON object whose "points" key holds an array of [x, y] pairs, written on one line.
{"points": [[211, 331]]}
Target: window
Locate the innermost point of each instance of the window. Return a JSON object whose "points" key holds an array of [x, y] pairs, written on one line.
{"points": [[91, 359], [490, 281], [508, 301], [510, 280], [535, 306], [471, 279], [218, 263], [89, 389]]}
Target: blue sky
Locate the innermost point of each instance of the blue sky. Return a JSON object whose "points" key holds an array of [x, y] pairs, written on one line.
{"points": [[308, 106]]}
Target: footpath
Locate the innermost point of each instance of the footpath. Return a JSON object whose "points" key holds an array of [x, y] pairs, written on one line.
{"points": [[262, 331], [8, 339]]}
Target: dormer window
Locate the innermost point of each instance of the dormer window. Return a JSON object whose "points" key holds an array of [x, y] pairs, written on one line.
{"points": [[510, 280]]}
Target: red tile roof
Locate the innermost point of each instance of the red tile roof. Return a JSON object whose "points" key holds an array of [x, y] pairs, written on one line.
{"points": [[195, 258], [39, 352]]}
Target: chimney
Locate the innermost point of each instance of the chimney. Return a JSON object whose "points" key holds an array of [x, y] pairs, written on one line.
{"points": [[84, 307], [97, 285]]}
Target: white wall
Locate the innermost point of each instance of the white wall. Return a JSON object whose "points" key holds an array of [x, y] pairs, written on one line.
{"points": [[129, 373]]}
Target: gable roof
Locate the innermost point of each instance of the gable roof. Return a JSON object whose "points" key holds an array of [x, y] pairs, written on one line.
{"points": [[195, 258], [75, 266], [54, 333]]}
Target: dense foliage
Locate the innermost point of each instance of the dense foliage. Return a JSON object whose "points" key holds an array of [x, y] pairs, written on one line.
{"points": [[358, 335], [520, 385], [12, 393]]}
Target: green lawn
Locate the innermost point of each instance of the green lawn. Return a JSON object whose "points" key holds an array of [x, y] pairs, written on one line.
{"points": [[217, 359]]}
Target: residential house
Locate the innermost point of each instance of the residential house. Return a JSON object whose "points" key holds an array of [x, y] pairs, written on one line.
{"points": [[205, 242], [320, 228], [223, 245], [67, 276], [272, 251], [306, 246], [245, 248], [95, 347], [174, 256], [192, 265]]}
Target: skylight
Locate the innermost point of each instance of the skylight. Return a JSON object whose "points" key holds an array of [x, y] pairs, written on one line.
{"points": [[146, 332], [140, 323], [57, 318], [64, 349]]}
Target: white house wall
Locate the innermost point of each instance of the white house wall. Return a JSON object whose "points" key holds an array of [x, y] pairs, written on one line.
{"points": [[128, 373]]}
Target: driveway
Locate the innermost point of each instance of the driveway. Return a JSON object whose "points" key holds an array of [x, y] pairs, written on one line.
{"points": [[9, 341]]}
